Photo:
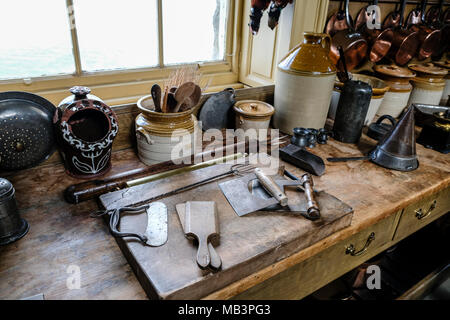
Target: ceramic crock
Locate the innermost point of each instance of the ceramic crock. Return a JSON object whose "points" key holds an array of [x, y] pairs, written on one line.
{"points": [[445, 64], [158, 134], [85, 130], [253, 114], [303, 85], [379, 89], [397, 78], [429, 84]]}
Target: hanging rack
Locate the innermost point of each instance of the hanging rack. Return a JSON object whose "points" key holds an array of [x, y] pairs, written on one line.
{"points": [[431, 2]]}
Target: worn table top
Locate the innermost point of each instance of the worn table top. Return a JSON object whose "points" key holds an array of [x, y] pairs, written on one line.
{"points": [[63, 237]]}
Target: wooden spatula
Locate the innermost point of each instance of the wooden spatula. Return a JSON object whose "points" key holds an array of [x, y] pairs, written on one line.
{"points": [[183, 93], [216, 261], [201, 222]]}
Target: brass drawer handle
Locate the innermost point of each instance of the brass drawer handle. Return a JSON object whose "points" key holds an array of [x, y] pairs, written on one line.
{"points": [[352, 251], [419, 212]]}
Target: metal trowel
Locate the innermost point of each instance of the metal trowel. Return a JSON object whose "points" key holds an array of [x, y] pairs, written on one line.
{"points": [[258, 191]]}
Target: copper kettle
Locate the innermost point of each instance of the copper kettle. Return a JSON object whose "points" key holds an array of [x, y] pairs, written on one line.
{"points": [[352, 42]]}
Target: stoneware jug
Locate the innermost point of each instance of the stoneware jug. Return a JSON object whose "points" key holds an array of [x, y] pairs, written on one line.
{"points": [[304, 83]]}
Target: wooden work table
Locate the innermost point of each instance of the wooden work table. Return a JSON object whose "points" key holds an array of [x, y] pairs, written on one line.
{"points": [[63, 237]]}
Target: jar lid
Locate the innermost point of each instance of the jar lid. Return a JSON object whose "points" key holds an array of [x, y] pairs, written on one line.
{"points": [[428, 69], [6, 188], [443, 64], [394, 71], [254, 108]]}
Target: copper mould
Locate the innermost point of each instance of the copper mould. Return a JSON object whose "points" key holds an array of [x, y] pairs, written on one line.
{"points": [[405, 42], [338, 21], [85, 131], [256, 13], [365, 16], [352, 42]]}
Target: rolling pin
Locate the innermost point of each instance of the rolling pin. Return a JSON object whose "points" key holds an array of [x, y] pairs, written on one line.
{"points": [[271, 187]]}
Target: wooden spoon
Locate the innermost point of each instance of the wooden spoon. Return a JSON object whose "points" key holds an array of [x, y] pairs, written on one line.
{"points": [[156, 96], [193, 99], [183, 93]]}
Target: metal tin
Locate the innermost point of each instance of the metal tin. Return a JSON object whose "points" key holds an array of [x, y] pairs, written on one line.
{"points": [[352, 111], [12, 226]]}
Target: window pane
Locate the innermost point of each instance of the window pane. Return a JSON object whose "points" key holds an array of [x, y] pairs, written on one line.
{"points": [[117, 34], [194, 30], [35, 39]]}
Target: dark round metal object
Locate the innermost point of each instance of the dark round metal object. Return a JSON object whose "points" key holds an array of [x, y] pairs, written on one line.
{"points": [[26, 130], [12, 226], [378, 130]]}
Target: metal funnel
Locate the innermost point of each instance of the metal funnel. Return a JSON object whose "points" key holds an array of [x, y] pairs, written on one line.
{"points": [[397, 150]]}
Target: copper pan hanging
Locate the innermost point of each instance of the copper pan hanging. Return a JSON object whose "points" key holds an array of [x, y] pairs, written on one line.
{"points": [[379, 40], [433, 15], [405, 42], [429, 38], [352, 42], [337, 22], [393, 18], [367, 15]]}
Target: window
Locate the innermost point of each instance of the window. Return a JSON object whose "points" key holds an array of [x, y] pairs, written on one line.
{"points": [[54, 37]]}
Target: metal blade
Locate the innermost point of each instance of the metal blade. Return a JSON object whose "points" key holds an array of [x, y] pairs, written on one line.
{"points": [[241, 199], [156, 231], [258, 190]]}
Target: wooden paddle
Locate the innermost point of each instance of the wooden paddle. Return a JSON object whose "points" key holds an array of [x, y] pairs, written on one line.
{"points": [[183, 93]]}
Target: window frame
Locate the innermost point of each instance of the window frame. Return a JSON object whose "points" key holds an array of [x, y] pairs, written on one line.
{"points": [[135, 81]]}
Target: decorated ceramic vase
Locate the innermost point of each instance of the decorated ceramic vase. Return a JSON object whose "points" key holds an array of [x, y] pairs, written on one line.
{"points": [[304, 83], [85, 128]]}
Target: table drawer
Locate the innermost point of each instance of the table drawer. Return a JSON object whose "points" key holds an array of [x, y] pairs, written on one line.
{"points": [[315, 272], [419, 214]]}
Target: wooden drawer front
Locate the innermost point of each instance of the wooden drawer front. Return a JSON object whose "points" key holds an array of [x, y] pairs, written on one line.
{"points": [[420, 214], [315, 272]]}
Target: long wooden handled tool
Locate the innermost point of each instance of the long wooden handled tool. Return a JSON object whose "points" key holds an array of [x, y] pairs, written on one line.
{"points": [[92, 189]]}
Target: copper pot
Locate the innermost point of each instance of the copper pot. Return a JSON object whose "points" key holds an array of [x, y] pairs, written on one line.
{"points": [[380, 42], [352, 42], [392, 20], [337, 22], [364, 16], [429, 40], [405, 42]]}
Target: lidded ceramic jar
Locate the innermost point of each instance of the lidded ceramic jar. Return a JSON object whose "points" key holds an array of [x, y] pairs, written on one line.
{"points": [[253, 114], [85, 130], [379, 89], [428, 85], [397, 78], [445, 95], [163, 136], [303, 85]]}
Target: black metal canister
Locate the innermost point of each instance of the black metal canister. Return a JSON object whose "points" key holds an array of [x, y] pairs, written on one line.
{"points": [[12, 226], [351, 111]]}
